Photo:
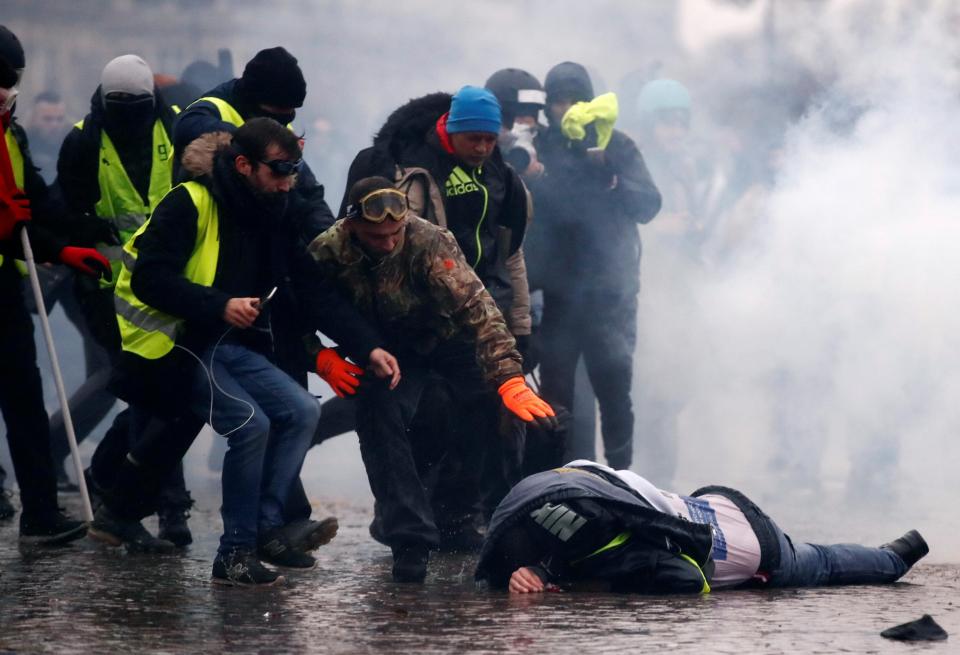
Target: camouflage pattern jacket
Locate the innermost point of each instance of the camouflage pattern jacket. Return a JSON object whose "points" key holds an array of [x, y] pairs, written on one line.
{"points": [[423, 293]]}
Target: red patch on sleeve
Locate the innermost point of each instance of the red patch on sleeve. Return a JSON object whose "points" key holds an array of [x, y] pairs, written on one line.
{"points": [[448, 264]]}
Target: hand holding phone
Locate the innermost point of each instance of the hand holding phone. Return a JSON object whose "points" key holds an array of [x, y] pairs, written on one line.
{"points": [[265, 299]]}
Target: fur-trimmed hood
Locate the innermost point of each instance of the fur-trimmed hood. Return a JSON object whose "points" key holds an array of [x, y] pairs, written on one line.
{"points": [[199, 155], [409, 123]]}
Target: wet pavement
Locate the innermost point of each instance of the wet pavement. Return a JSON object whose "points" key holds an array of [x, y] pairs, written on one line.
{"points": [[87, 598]]}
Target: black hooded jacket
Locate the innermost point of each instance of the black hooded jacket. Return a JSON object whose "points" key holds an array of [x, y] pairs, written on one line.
{"points": [[202, 117], [585, 238], [488, 223], [79, 161]]}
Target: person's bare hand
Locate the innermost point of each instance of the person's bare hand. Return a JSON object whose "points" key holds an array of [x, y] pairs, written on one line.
{"points": [[385, 365], [241, 312], [525, 581]]}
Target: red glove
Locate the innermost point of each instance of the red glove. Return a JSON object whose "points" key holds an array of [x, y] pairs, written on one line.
{"points": [[13, 209], [88, 261], [341, 375], [520, 399]]}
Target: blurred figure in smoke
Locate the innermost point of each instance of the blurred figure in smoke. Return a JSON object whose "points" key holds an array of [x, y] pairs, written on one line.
{"points": [[115, 167], [46, 127], [594, 192], [442, 151]]}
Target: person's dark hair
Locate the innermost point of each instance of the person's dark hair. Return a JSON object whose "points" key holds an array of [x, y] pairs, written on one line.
{"points": [[49, 97], [367, 185], [254, 137]]}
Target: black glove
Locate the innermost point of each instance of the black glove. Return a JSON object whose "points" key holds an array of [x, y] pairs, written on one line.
{"points": [[90, 230]]}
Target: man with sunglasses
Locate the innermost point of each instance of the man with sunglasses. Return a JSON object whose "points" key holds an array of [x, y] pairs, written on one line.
{"points": [[197, 332], [410, 278], [114, 168]]}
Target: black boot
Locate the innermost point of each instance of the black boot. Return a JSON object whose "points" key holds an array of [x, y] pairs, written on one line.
{"points": [[116, 531], [173, 521], [309, 535], [910, 547], [51, 528], [410, 563], [275, 548]]}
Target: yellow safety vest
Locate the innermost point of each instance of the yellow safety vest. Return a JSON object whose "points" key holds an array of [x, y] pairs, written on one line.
{"points": [[227, 113], [147, 331], [120, 202], [16, 163]]}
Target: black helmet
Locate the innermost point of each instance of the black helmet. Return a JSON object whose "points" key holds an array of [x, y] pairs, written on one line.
{"points": [[11, 57], [518, 92]]}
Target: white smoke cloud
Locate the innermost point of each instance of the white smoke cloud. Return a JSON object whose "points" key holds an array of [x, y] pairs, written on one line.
{"points": [[818, 363]]}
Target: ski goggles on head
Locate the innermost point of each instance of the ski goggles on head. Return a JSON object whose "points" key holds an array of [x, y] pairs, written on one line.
{"points": [[283, 167], [377, 205]]}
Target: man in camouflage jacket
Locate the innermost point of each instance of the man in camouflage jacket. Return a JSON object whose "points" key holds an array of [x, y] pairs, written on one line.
{"points": [[410, 279]]}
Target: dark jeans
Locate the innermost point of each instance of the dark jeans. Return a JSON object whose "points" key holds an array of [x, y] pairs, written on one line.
{"points": [[602, 328], [269, 421], [21, 400], [404, 515], [814, 565]]}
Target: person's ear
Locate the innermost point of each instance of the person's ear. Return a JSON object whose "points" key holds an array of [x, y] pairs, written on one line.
{"points": [[243, 165]]}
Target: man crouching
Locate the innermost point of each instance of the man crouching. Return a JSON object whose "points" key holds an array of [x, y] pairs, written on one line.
{"points": [[409, 278]]}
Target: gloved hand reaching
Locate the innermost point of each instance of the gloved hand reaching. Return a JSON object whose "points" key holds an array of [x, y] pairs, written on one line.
{"points": [[520, 399], [341, 375], [87, 261]]}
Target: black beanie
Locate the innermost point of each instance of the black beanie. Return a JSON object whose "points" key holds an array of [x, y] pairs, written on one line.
{"points": [[273, 77]]}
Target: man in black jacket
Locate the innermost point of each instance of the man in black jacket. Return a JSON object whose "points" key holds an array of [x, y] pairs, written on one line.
{"points": [[26, 204], [590, 199], [114, 168], [204, 268], [586, 526]]}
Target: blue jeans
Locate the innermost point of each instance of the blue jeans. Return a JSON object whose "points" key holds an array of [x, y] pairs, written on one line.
{"points": [[268, 433], [813, 565]]}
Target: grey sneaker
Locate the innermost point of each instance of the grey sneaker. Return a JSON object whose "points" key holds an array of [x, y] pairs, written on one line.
{"points": [[241, 568]]}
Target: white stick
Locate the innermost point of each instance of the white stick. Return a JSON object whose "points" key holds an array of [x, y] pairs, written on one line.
{"points": [[57, 377]]}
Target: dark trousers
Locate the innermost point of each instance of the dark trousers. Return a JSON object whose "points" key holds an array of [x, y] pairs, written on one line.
{"points": [[602, 328], [21, 400], [402, 489], [147, 476], [123, 434]]}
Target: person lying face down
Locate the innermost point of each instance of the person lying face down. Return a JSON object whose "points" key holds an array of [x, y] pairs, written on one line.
{"points": [[587, 526]]}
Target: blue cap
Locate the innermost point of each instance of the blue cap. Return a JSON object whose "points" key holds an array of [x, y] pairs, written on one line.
{"points": [[474, 110]]}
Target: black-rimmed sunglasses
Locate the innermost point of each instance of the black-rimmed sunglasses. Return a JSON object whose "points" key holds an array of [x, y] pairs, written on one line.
{"points": [[283, 167]]}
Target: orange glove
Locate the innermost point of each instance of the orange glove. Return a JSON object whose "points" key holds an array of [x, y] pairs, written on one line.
{"points": [[520, 399], [341, 375], [88, 261]]}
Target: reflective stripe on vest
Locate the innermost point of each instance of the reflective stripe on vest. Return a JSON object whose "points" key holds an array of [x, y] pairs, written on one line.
{"points": [[227, 113], [147, 331], [120, 202], [16, 163]]}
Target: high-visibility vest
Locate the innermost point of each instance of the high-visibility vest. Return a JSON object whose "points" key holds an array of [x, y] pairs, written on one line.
{"points": [[227, 113], [147, 331], [120, 202], [16, 163]]}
